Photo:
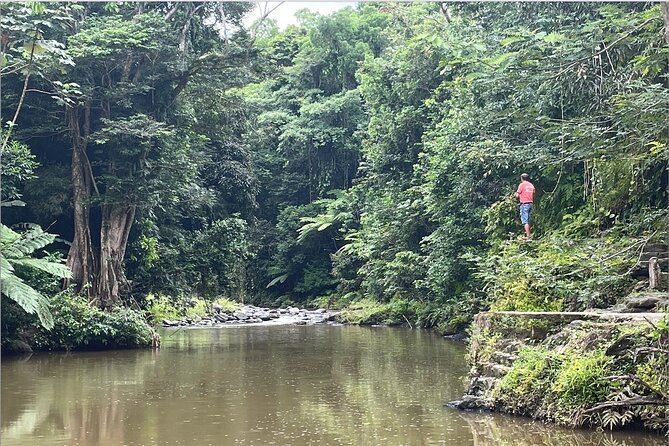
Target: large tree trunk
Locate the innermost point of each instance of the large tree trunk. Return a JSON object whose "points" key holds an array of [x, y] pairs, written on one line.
{"points": [[664, 6], [80, 258], [117, 221]]}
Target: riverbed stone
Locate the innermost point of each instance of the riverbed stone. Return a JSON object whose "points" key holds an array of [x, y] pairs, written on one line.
{"points": [[470, 403]]}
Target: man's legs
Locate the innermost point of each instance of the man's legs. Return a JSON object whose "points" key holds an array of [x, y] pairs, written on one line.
{"points": [[525, 218]]}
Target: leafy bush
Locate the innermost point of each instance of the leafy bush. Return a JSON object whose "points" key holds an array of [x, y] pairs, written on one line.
{"points": [[161, 307], [197, 308], [80, 326], [528, 381], [580, 382], [365, 312], [558, 272], [555, 385], [226, 304]]}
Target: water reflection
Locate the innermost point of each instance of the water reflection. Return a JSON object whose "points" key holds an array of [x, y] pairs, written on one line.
{"points": [[263, 385], [499, 430]]}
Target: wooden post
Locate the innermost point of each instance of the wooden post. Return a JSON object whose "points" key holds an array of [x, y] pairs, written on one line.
{"points": [[654, 273]]}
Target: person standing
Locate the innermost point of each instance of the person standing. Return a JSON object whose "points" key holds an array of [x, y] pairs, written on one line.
{"points": [[525, 194]]}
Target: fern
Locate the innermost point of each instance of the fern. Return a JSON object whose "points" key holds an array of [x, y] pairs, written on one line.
{"points": [[17, 249], [27, 297], [55, 269]]}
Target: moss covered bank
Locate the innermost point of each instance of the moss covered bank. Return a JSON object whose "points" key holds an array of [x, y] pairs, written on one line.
{"points": [[577, 369]]}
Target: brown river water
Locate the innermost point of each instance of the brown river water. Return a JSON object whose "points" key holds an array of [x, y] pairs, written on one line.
{"points": [[264, 385]]}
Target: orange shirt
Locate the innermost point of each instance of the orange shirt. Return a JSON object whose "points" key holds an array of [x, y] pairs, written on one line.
{"points": [[525, 192]]}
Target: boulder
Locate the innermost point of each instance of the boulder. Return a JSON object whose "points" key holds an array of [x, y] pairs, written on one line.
{"points": [[470, 402]]}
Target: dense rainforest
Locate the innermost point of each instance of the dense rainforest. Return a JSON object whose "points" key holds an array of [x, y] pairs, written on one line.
{"points": [[162, 158], [159, 157], [367, 157]]}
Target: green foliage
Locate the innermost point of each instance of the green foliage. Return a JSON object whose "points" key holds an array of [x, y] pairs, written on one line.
{"points": [[197, 308], [555, 385], [579, 376], [80, 326], [226, 304], [18, 165], [582, 381], [17, 251], [161, 307], [558, 272], [365, 311], [529, 379], [207, 262]]}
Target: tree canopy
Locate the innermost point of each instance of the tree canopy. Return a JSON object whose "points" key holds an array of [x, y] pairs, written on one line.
{"points": [[371, 154]]}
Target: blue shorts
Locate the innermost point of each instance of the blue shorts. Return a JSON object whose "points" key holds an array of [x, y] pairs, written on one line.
{"points": [[526, 213]]}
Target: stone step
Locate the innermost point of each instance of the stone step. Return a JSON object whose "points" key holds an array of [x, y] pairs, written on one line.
{"points": [[662, 261], [481, 384], [654, 301], [661, 256], [656, 247], [490, 369], [505, 359], [533, 327]]}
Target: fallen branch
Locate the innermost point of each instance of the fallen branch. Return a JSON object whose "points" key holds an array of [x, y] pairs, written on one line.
{"points": [[637, 401], [651, 350]]}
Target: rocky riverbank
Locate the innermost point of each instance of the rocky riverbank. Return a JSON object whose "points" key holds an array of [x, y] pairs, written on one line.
{"points": [[577, 369], [252, 315]]}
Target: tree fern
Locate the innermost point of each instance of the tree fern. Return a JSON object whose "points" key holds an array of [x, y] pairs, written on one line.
{"points": [[17, 249]]}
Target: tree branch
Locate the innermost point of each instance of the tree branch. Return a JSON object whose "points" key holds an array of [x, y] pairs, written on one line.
{"points": [[606, 48], [641, 382], [636, 401], [22, 98], [664, 7]]}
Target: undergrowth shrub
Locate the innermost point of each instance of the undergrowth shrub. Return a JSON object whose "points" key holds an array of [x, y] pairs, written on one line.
{"points": [[161, 307], [81, 326]]}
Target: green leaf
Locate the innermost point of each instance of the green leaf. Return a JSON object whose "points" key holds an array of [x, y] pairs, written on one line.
{"points": [[282, 278], [55, 269], [29, 299], [510, 40]]}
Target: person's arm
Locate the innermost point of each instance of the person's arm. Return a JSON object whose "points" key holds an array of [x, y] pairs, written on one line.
{"points": [[519, 189]]}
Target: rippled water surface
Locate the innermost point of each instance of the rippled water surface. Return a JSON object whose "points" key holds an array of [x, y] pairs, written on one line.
{"points": [[283, 385]]}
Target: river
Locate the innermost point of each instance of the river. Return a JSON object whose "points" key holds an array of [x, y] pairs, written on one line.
{"points": [[264, 385]]}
